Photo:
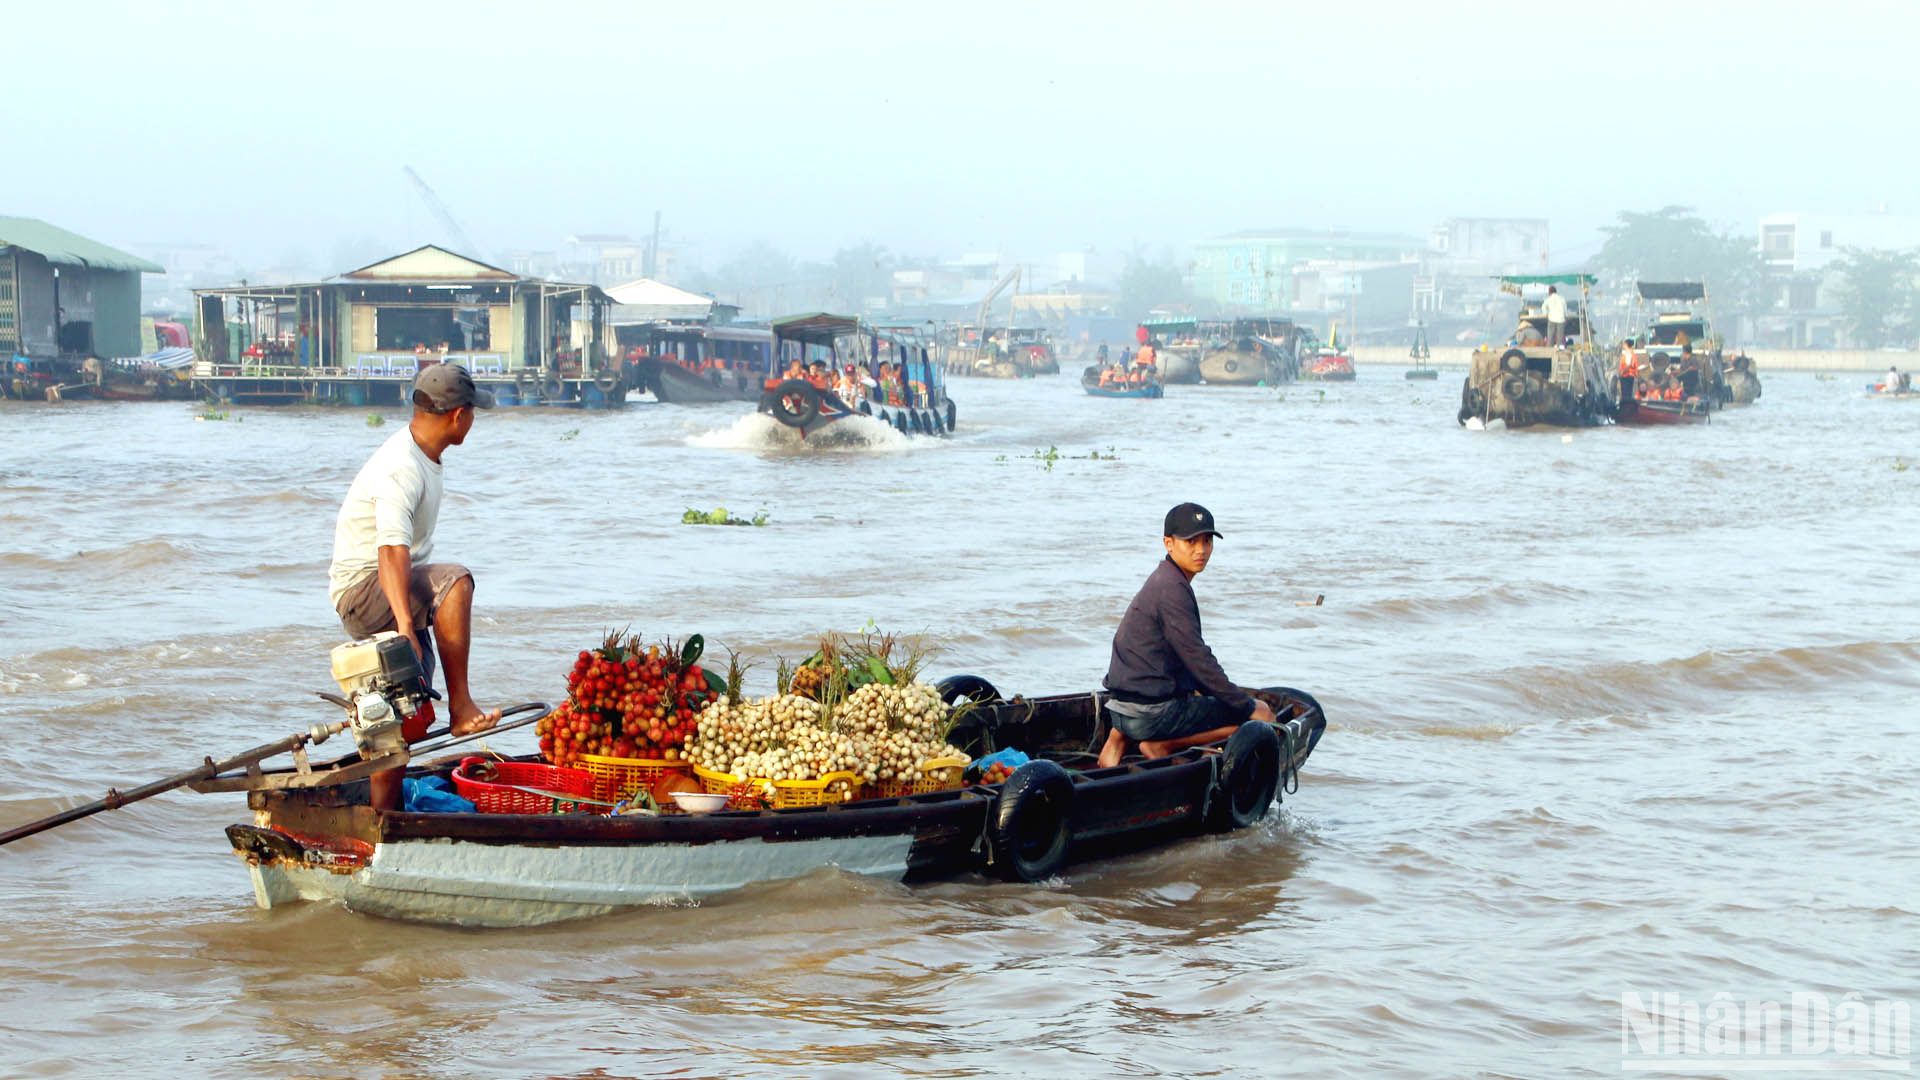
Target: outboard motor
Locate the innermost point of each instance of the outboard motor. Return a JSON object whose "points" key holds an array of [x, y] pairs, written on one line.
{"points": [[384, 687]]}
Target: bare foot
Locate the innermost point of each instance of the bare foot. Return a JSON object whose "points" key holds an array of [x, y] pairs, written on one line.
{"points": [[1112, 751], [469, 718]]}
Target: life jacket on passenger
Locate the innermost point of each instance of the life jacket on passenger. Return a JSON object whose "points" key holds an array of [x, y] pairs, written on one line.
{"points": [[1145, 357]]}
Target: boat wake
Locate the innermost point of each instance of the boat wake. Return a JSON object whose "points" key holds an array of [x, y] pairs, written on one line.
{"points": [[760, 432]]}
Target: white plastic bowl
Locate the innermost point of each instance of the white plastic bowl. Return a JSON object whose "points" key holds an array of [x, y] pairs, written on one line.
{"points": [[699, 802]]}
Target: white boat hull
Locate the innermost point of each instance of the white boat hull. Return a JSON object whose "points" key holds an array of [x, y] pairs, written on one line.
{"points": [[464, 883]]}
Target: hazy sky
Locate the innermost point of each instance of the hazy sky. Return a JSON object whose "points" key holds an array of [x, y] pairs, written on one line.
{"points": [[273, 129]]}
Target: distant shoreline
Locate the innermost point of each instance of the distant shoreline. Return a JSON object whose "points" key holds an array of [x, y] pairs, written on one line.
{"points": [[1861, 360]]}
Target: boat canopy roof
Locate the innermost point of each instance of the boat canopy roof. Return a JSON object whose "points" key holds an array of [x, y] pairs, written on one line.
{"points": [[1673, 290], [817, 328], [1169, 322], [1513, 283]]}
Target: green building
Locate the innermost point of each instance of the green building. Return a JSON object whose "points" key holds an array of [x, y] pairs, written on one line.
{"points": [[63, 296]]}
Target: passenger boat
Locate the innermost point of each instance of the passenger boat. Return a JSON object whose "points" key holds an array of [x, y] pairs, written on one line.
{"points": [[697, 364], [1719, 378], [916, 403], [1531, 380], [1090, 382], [511, 870]]}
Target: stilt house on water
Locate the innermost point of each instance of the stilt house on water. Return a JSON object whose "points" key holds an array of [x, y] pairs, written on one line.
{"points": [[64, 299], [359, 338]]}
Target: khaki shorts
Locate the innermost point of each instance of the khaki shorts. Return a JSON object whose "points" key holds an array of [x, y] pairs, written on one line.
{"points": [[364, 611]]}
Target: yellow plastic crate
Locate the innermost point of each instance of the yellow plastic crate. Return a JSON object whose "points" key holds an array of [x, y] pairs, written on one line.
{"points": [[940, 774], [835, 787], [619, 778]]}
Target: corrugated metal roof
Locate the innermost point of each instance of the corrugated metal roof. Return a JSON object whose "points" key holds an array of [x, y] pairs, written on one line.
{"points": [[57, 245]]}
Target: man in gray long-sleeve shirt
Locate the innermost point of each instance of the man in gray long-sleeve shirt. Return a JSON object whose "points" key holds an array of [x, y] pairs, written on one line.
{"points": [[1165, 689]]}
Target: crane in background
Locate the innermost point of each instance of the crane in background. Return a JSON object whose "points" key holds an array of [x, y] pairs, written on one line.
{"points": [[444, 215]]}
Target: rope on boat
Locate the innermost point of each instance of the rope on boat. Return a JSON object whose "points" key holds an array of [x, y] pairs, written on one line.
{"points": [[1289, 769]]}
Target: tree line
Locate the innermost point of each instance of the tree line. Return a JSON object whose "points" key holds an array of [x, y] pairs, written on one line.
{"points": [[1878, 291]]}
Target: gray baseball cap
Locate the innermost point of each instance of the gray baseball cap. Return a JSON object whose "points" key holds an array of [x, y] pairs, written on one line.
{"points": [[449, 386]]}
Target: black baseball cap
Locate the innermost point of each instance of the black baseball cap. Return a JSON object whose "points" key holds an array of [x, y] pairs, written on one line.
{"points": [[448, 387], [1189, 520]]}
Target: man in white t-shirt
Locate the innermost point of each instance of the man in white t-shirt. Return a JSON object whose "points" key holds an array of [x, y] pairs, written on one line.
{"points": [[1556, 312], [382, 577]]}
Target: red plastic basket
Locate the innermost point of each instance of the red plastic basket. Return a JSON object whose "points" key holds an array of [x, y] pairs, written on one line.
{"points": [[496, 798]]}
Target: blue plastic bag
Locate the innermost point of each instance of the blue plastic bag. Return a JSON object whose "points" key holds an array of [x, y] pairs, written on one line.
{"points": [[432, 795], [1009, 757]]}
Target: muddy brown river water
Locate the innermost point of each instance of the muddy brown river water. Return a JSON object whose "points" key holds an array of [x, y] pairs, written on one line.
{"points": [[1630, 712]]}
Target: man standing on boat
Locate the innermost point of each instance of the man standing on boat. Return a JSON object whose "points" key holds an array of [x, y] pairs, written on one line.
{"points": [[1556, 311], [1165, 689], [381, 577]]}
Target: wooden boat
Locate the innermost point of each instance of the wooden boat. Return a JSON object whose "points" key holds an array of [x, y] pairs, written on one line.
{"points": [[1328, 364], [1531, 380], [694, 365], [504, 870], [1251, 351], [1648, 412], [917, 403], [1090, 382]]}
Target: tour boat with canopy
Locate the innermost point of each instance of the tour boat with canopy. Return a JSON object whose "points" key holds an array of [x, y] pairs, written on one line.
{"points": [[893, 377]]}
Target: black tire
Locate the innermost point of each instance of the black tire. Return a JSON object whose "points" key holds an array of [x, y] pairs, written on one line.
{"points": [[915, 422], [866, 408], [1514, 388], [794, 402], [1249, 777], [1467, 411], [900, 421], [607, 382], [1514, 361], [553, 389], [956, 688], [950, 416], [1659, 359], [1231, 367], [524, 384], [1029, 826]]}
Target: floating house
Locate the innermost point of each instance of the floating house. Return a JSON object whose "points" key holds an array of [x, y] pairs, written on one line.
{"points": [[64, 299], [359, 338]]}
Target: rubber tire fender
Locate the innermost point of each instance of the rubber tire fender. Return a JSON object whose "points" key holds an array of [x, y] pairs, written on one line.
{"points": [[951, 414], [1232, 366], [1513, 360], [1467, 411], [607, 382], [1029, 825], [1248, 778], [955, 688], [553, 388], [866, 408], [794, 415], [900, 421], [1514, 388]]}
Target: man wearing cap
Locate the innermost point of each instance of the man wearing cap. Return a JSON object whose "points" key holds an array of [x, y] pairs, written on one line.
{"points": [[1164, 688], [382, 576]]}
